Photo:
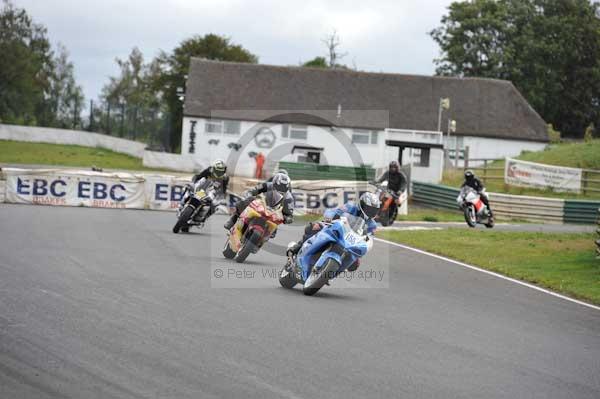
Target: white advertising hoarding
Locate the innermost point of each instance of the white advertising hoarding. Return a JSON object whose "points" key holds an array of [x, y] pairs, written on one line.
{"points": [[531, 174]]}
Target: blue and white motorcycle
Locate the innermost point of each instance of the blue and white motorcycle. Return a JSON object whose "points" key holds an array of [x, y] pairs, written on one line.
{"points": [[326, 254]]}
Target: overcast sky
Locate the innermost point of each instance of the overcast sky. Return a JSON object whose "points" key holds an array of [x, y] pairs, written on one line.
{"points": [[388, 36]]}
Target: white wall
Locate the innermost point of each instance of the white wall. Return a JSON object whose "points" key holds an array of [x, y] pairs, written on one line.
{"points": [[74, 137], [335, 152], [480, 147]]}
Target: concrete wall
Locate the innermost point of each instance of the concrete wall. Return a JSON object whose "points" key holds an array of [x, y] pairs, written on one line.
{"points": [[74, 137]]}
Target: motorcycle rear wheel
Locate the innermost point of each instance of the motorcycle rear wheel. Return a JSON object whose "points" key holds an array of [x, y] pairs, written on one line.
{"points": [[286, 278], [228, 252]]}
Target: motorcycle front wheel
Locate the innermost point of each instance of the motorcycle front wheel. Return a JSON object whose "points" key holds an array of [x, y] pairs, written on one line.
{"points": [[252, 242], [470, 216], [183, 219], [318, 279]]}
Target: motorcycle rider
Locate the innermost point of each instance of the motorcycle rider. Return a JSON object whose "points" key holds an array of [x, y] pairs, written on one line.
{"points": [[216, 172], [396, 179], [472, 181], [281, 183], [367, 207]]}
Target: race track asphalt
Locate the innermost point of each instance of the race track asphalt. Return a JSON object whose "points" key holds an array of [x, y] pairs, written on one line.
{"points": [[98, 303]]}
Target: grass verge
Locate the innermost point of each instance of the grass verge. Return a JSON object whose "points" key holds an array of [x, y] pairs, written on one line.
{"points": [[561, 262], [20, 152]]}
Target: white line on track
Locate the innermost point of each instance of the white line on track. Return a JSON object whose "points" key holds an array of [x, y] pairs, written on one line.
{"points": [[535, 287]]}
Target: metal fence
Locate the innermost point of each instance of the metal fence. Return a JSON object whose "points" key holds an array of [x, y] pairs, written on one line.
{"points": [[145, 124]]}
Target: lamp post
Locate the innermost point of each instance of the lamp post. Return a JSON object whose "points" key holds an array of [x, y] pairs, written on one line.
{"points": [[452, 129], [444, 104]]}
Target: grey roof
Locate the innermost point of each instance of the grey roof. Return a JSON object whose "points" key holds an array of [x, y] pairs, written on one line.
{"points": [[481, 107]]}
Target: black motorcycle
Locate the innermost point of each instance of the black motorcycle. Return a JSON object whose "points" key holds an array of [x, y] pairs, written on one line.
{"points": [[197, 205]]}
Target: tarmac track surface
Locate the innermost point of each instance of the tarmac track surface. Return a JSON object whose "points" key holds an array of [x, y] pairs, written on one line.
{"points": [[98, 303]]}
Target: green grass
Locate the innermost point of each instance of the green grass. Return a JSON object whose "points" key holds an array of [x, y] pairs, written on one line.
{"points": [[20, 152], [576, 155], [562, 262], [422, 214]]}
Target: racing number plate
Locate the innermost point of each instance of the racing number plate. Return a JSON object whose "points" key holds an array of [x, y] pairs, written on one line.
{"points": [[352, 238]]}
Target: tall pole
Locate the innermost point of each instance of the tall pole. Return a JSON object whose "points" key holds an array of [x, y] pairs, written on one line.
{"points": [[91, 127], [439, 125]]}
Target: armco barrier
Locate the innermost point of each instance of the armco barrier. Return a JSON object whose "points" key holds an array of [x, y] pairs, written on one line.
{"points": [[536, 209], [435, 195], [577, 211]]}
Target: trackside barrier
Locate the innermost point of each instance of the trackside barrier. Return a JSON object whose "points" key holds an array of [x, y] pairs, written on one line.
{"points": [[536, 209], [598, 232], [71, 137], [68, 187]]}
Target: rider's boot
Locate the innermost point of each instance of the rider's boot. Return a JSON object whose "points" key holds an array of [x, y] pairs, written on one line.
{"points": [[293, 248], [232, 220]]}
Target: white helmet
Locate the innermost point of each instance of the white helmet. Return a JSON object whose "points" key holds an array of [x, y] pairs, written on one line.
{"points": [[369, 205]]}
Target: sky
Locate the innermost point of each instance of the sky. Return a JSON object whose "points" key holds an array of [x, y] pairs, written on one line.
{"points": [[377, 35]]}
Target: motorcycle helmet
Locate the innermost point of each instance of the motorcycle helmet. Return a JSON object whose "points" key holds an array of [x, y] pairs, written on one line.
{"points": [[281, 182], [218, 169], [469, 174], [394, 167], [369, 205]]}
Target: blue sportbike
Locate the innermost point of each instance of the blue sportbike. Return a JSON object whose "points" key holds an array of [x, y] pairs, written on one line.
{"points": [[328, 253]]}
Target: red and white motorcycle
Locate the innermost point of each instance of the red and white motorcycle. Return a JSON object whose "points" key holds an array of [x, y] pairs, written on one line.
{"points": [[473, 207]]}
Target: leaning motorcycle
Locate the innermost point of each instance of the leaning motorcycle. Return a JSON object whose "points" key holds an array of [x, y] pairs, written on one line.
{"points": [[255, 226], [475, 211], [198, 200], [334, 249]]}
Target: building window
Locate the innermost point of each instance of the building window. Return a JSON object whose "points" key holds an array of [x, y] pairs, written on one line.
{"points": [[360, 136], [232, 127], [421, 157], [213, 126], [295, 132]]}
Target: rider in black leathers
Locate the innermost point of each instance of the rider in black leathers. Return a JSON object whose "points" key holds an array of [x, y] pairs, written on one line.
{"points": [[397, 180]]}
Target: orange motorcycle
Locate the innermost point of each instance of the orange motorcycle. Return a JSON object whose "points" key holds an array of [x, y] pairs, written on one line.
{"points": [[254, 227], [390, 202]]}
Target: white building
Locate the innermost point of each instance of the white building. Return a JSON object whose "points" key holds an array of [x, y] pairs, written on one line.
{"points": [[234, 111]]}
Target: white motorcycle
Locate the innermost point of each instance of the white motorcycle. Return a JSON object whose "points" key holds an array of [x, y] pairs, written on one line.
{"points": [[473, 207]]}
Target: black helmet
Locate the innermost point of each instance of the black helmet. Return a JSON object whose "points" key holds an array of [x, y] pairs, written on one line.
{"points": [[394, 165], [281, 182], [218, 169], [369, 204], [469, 174]]}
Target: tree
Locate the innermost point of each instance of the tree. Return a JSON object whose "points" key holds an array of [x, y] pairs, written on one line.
{"points": [[332, 42], [550, 50], [317, 62], [65, 97], [175, 68], [25, 66]]}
